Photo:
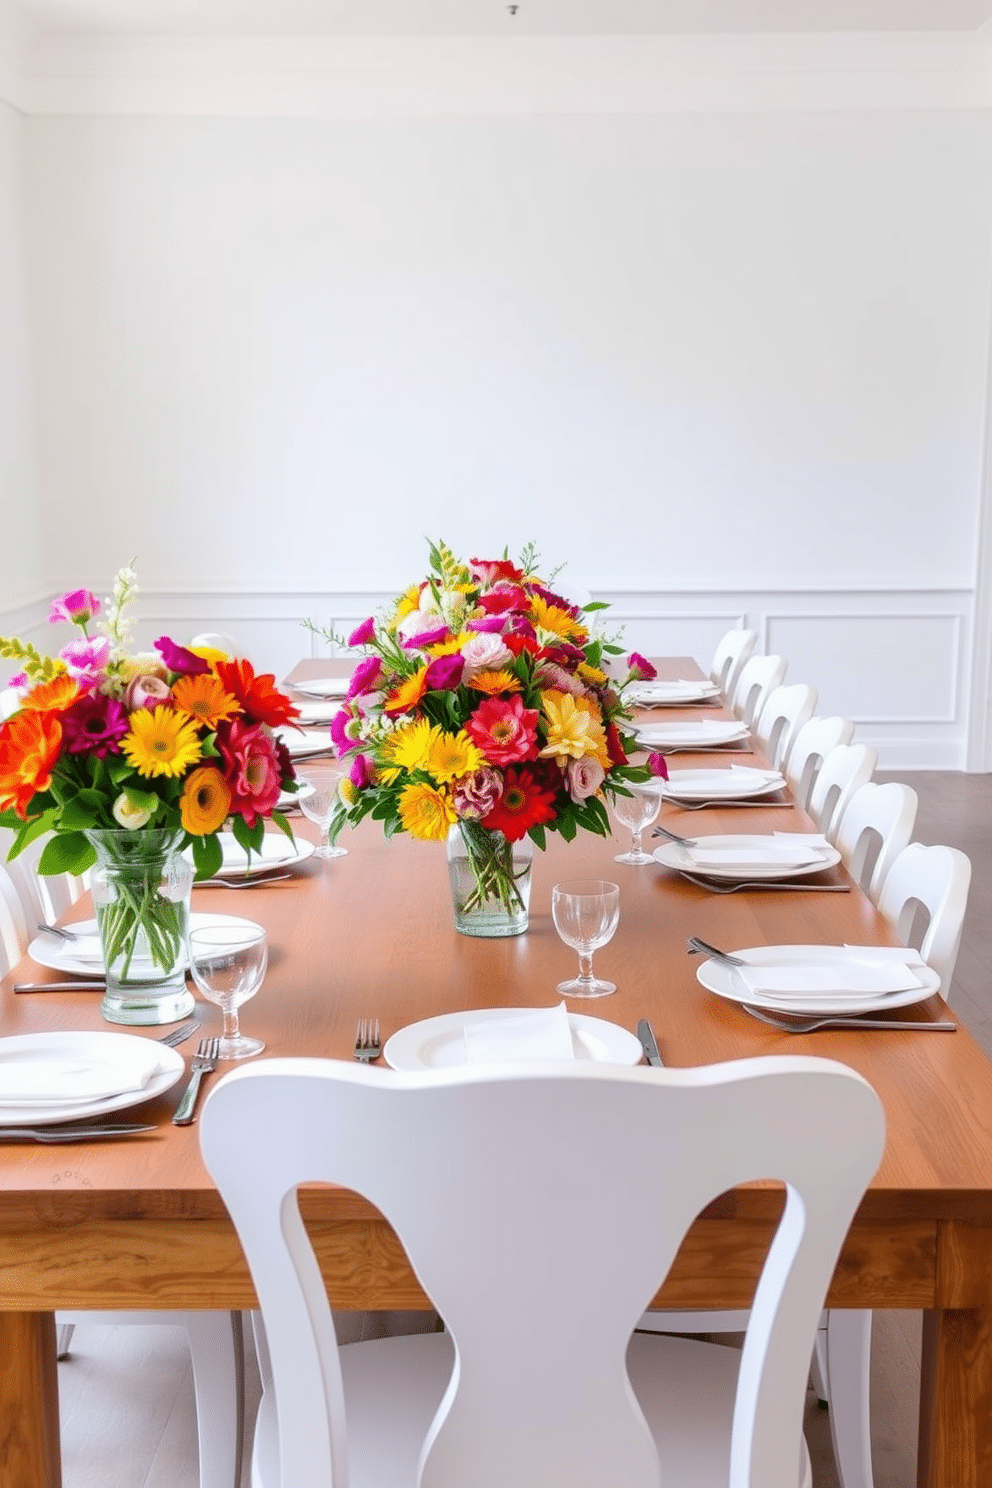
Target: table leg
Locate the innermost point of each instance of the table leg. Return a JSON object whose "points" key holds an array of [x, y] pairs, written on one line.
{"points": [[30, 1450], [956, 1399]]}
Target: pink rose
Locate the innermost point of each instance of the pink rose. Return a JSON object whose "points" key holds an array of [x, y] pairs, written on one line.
{"points": [[475, 795], [146, 692], [584, 777], [485, 653], [86, 659], [251, 768], [78, 606]]}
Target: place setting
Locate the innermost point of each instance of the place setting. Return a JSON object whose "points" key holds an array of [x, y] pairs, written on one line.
{"points": [[698, 736], [76, 952], [304, 743], [321, 688], [679, 693], [275, 861], [725, 863], [61, 1076], [736, 785]]}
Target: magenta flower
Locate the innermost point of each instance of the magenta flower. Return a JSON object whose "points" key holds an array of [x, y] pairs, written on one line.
{"points": [[444, 673], [425, 638], [251, 768], [360, 775], [178, 659], [363, 634], [78, 607], [94, 724], [641, 669], [365, 677], [504, 730], [86, 659], [339, 724], [494, 623], [658, 765]]}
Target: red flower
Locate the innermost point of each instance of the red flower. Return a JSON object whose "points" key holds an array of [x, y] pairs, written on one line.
{"points": [[504, 730], [500, 601], [251, 768], [517, 642], [30, 743], [258, 696], [614, 747], [523, 804], [491, 570]]}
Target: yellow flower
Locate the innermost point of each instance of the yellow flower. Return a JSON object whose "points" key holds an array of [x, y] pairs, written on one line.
{"points": [[590, 673], [205, 801], [426, 813], [556, 621], [575, 728], [495, 682], [161, 742], [348, 791], [408, 694], [409, 747], [406, 602], [449, 647], [452, 755], [204, 700]]}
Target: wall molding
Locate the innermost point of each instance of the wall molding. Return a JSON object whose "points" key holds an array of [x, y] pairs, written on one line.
{"points": [[431, 76]]}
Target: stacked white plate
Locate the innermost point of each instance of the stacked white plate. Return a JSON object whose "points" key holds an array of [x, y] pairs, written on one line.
{"points": [[738, 783], [846, 980], [50, 1077], [700, 734], [772, 855], [440, 1043], [83, 956], [678, 694], [301, 745], [322, 687], [276, 852]]}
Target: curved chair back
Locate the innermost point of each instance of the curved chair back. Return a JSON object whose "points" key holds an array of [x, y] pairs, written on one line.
{"points": [[843, 771], [759, 676], [511, 1193], [936, 879], [875, 826], [13, 926], [783, 714], [812, 743], [732, 651]]}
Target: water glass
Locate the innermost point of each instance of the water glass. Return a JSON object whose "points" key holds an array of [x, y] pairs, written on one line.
{"points": [[636, 811], [586, 913], [228, 963], [317, 798]]}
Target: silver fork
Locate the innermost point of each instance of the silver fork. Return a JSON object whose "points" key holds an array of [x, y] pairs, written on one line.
{"points": [[697, 947], [204, 1061], [766, 883], [258, 882], [787, 1023], [59, 931], [367, 1041], [660, 831]]}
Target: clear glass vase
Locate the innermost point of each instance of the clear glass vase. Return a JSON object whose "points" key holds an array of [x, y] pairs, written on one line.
{"points": [[141, 893], [490, 880]]}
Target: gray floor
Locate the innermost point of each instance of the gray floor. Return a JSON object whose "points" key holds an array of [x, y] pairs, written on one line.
{"points": [[128, 1417]]}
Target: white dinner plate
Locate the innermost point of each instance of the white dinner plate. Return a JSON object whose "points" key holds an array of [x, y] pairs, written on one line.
{"points": [[704, 732], [739, 783], [670, 694], [85, 957], [317, 712], [439, 1043], [773, 857], [301, 745], [322, 687], [275, 852], [95, 1047], [718, 977]]}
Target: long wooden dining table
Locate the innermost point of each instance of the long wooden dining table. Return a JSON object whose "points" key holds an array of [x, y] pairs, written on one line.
{"points": [[137, 1223]]}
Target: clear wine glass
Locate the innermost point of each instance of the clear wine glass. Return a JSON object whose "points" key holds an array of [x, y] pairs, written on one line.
{"points": [[228, 963], [636, 811], [586, 914], [318, 796]]}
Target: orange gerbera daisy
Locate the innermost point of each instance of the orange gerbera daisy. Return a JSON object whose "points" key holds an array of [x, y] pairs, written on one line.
{"points": [[205, 801], [53, 696], [495, 682], [30, 744], [204, 699], [257, 695], [408, 694]]}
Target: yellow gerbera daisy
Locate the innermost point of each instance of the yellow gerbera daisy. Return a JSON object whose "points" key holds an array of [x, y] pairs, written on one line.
{"points": [[556, 621], [408, 601], [452, 755], [204, 699], [590, 673], [575, 728], [450, 646], [495, 682], [161, 742], [409, 747], [408, 694], [426, 813]]}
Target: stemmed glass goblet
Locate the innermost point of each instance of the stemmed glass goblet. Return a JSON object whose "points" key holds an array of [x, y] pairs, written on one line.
{"points": [[317, 798], [228, 963], [586, 913], [636, 811]]}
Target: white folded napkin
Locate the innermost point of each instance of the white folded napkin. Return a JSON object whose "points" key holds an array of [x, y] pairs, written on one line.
{"points": [[543, 1033], [62, 1079], [781, 849], [318, 712], [861, 973]]}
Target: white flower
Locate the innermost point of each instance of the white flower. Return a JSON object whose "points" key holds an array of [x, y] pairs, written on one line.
{"points": [[485, 652], [129, 816]]}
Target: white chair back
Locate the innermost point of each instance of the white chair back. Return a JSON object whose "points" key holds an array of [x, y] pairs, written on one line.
{"points": [[759, 676], [520, 1199], [783, 714], [936, 879], [843, 771], [875, 826], [732, 651], [13, 926], [43, 896], [813, 742]]}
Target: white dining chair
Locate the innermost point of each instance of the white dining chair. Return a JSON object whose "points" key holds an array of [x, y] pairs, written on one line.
{"points": [[540, 1266], [872, 830], [215, 1338], [813, 742], [758, 677], [782, 715], [732, 651], [844, 770]]}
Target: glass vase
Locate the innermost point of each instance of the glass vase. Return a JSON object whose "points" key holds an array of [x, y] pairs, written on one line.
{"points": [[141, 893], [490, 880]]}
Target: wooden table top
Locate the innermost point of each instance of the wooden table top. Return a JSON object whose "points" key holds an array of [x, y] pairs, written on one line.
{"points": [[371, 934]]}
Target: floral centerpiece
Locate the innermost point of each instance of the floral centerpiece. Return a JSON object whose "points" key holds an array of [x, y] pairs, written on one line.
{"points": [[130, 758], [488, 709]]}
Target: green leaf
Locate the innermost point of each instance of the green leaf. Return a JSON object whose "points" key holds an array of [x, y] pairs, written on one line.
{"points": [[283, 824], [84, 810], [595, 604], [67, 852], [250, 838], [208, 856], [538, 836]]}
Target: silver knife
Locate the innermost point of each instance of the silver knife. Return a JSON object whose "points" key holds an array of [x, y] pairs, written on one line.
{"points": [[93, 985], [649, 1044], [56, 1134]]}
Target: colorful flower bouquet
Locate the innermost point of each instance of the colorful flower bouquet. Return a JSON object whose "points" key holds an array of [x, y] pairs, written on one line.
{"points": [[123, 754], [490, 704]]}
